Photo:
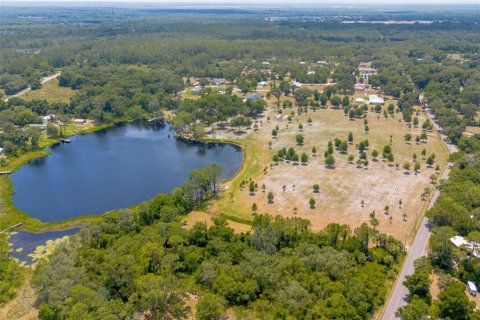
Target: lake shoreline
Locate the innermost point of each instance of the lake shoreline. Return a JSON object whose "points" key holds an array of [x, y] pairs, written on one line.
{"points": [[33, 225]]}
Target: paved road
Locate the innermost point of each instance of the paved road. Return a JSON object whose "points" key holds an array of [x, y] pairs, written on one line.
{"points": [[417, 250], [44, 80]]}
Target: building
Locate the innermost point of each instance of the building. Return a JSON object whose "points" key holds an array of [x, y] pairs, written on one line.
{"points": [[374, 99], [459, 241], [218, 82], [48, 118], [366, 70], [321, 62], [262, 84], [360, 86], [253, 96], [296, 84], [196, 89], [359, 100], [79, 121]]}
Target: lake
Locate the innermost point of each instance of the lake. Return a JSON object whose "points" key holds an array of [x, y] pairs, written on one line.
{"points": [[113, 168]]}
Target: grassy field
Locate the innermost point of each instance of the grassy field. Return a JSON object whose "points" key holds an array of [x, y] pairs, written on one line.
{"points": [[51, 92], [342, 189]]}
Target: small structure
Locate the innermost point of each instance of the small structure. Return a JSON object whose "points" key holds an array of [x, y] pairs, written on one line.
{"points": [[472, 288], [359, 100], [79, 121], [265, 63], [218, 82], [302, 62], [366, 69], [321, 62], [296, 84], [196, 89], [374, 99], [262, 84], [254, 96], [311, 72], [2, 151], [459, 241], [48, 118], [360, 86]]}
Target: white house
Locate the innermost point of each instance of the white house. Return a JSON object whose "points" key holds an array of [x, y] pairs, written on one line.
{"points": [[296, 84], [359, 100], [374, 99], [321, 62], [262, 84], [48, 118], [79, 121], [196, 89], [459, 241]]}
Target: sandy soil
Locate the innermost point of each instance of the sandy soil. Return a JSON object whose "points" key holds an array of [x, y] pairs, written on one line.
{"points": [[341, 189]]}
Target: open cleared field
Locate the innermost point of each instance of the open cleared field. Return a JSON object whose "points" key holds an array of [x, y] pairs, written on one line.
{"points": [[51, 92], [342, 189]]}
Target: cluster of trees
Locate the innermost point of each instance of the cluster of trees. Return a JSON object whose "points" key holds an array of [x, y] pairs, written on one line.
{"points": [[10, 271], [128, 266], [289, 155]]}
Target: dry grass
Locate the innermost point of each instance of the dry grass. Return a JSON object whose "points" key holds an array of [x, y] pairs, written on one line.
{"points": [[22, 306], [206, 217], [341, 189], [51, 92]]}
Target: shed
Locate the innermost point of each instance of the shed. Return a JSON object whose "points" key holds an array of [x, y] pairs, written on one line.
{"points": [[472, 288]]}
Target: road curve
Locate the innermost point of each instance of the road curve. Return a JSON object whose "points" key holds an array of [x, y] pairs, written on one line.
{"points": [[44, 80], [417, 250]]}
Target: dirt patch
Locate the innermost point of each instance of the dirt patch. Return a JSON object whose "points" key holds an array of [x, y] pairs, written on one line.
{"points": [[21, 307], [342, 189]]}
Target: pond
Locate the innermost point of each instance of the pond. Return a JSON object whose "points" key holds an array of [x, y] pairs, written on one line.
{"points": [[113, 168], [25, 243]]}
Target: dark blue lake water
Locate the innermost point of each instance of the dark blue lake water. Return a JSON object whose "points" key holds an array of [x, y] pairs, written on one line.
{"points": [[113, 168]]}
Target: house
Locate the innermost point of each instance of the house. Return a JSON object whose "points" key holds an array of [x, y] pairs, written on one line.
{"points": [[302, 62], [365, 69], [196, 89], [374, 99], [48, 118], [262, 84], [360, 86], [265, 63], [472, 288], [296, 84], [254, 96], [459, 241], [359, 100], [79, 121], [218, 82], [321, 62]]}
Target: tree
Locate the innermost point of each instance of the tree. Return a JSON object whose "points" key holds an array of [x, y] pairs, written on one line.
{"points": [[314, 151], [453, 302], [416, 309], [312, 202], [211, 307], [373, 220], [304, 158], [274, 133], [316, 188], [343, 147], [52, 131], [406, 166], [254, 208], [419, 282], [375, 154], [270, 197], [417, 166], [251, 188], [330, 161], [299, 139], [415, 121], [350, 137], [351, 158], [407, 137]]}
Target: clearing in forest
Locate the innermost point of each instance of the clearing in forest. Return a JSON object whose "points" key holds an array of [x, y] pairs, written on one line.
{"points": [[51, 92], [348, 193]]}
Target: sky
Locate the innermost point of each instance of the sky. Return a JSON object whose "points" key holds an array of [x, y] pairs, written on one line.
{"points": [[260, 2]]}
